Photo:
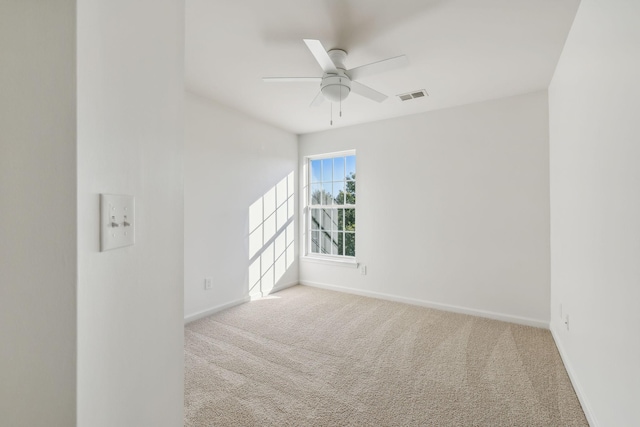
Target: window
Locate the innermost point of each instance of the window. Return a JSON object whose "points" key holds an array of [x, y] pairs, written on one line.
{"points": [[331, 199]]}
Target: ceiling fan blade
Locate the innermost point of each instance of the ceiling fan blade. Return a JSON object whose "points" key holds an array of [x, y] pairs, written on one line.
{"points": [[321, 55], [378, 67], [319, 99], [317, 80], [367, 92]]}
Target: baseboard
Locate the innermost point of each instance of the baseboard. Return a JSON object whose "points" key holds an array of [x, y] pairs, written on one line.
{"points": [[283, 287], [214, 310], [437, 306], [219, 308], [586, 408]]}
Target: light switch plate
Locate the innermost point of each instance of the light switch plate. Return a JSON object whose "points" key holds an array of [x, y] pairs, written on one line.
{"points": [[117, 221]]}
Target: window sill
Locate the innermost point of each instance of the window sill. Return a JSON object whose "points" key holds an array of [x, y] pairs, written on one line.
{"points": [[349, 263]]}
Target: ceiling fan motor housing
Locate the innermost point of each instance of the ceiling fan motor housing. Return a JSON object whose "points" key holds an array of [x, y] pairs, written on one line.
{"points": [[336, 86]]}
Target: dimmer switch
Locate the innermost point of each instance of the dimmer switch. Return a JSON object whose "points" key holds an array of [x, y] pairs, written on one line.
{"points": [[117, 221]]}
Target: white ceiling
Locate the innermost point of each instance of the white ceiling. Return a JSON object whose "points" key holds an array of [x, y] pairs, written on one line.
{"points": [[460, 51]]}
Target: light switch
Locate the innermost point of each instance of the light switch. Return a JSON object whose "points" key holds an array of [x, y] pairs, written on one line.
{"points": [[117, 221]]}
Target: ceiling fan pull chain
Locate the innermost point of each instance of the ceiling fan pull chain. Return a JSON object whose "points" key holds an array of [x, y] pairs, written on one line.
{"points": [[340, 97], [331, 113]]}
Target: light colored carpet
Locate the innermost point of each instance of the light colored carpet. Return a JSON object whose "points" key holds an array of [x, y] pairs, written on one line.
{"points": [[311, 357]]}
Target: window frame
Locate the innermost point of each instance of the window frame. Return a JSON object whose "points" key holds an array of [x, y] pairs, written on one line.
{"points": [[308, 253]]}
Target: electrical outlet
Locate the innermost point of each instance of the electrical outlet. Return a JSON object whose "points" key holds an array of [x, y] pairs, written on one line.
{"points": [[208, 283], [363, 270]]}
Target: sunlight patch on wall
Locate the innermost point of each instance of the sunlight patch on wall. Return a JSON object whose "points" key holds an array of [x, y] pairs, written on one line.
{"points": [[271, 237]]}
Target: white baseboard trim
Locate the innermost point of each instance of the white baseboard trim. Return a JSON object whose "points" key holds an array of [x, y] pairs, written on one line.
{"points": [[586, 408], [208, 312], [283, 287], [437, 306]]}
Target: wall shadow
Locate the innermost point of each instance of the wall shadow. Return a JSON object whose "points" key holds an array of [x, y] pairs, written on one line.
{"points": [[271, 237]]}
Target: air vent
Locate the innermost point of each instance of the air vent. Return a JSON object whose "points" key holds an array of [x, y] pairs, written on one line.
{"points": [[413, 95]]}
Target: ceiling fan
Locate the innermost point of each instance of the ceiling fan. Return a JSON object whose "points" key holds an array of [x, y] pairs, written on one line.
{"points": [[337, 82]]}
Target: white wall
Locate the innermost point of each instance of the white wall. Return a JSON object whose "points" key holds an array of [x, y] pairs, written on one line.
{"points": [[37, 213], [130, 141], [231, 161], [453, 209], [594, 100]]}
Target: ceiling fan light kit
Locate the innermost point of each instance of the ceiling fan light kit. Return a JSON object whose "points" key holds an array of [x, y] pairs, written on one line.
{"points": [[335, 88], [337, 81]]}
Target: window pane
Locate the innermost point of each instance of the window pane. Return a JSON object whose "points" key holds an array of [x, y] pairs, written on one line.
{"points": [[351, 167], [325, 242], [350, 220], [338, 169], [316, 194], [315, 242], [315, 219], [337, 243], [327, 170], [350, 195], [331, 220], [349, 244], [338, 239], [327, 198], [340, 219], [325, 223], [338, 192], [316, 170], [334, 219]]}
